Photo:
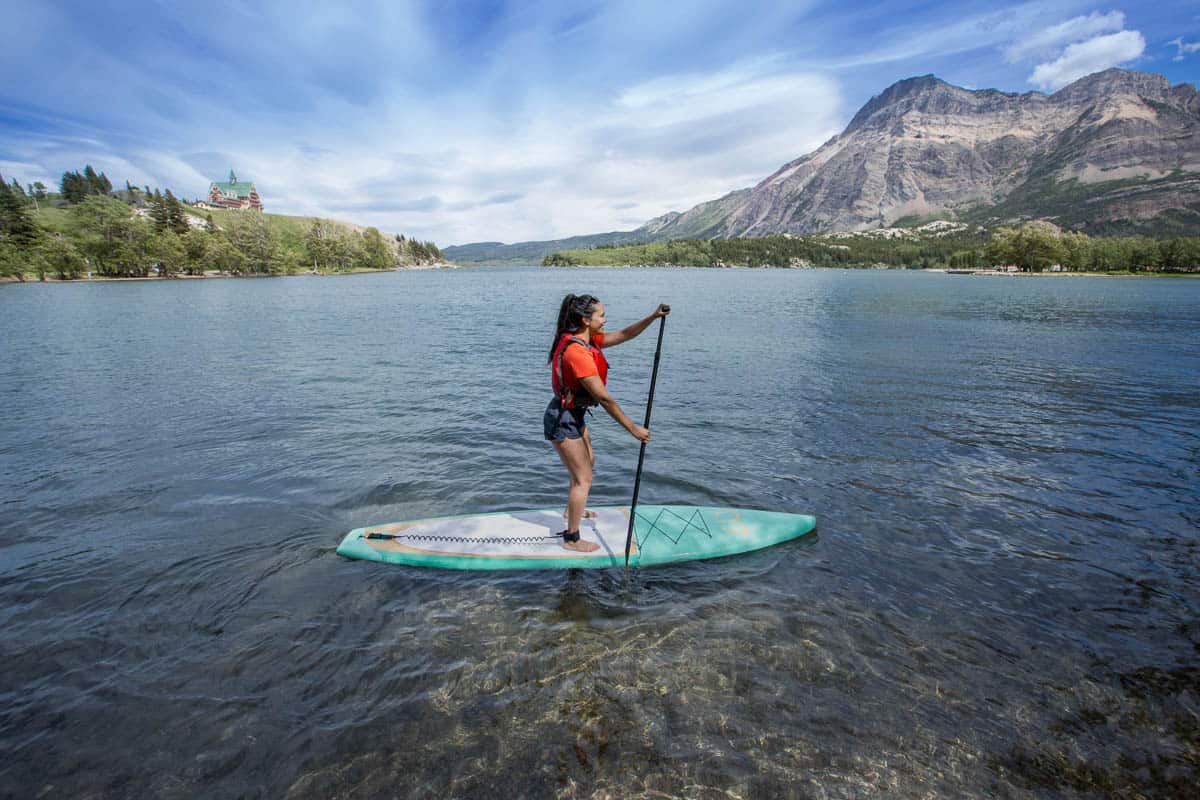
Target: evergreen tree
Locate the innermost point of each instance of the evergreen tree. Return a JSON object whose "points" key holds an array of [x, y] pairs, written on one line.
{"points": [[160, 212], [96, 184], [12, 261], [73, 187], [176, 216], [16, 224]]}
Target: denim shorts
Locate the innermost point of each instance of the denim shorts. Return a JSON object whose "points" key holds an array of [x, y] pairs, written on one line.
{"points": [[563, 423]]}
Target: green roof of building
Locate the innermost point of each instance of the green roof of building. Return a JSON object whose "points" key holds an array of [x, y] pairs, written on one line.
{"points": [[238, 189], [233, 186]]}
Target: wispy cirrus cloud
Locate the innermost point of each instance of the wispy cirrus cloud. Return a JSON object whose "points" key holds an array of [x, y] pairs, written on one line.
{"points": [[1183, 49], [459, 121]]}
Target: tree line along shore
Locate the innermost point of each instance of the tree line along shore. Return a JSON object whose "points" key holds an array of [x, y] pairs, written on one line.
{"points": [[90, 230], [1034, 247]]}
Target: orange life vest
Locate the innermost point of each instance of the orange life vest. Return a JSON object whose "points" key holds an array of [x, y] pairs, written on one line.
{"points": [[575, 396]]}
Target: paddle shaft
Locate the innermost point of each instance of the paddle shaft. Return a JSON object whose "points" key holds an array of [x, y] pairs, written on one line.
{"points": [[637, 482]]}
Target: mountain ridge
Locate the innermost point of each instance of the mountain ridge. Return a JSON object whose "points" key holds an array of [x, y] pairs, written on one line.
{"points": [[1114, 151]]}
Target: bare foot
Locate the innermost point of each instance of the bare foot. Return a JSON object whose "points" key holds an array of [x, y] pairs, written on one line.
{"points": [[582, 546], [587, 514]]}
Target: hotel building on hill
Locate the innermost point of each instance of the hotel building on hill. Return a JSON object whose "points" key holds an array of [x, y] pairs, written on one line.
{"points": [[234, 194]]}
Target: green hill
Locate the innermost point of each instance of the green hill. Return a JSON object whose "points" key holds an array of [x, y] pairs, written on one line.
{"points": [[498, 253], [129, 233]]}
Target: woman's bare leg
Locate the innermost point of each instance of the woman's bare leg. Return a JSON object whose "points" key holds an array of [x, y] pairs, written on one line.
{"points": [[574, 455], [591, 456]]}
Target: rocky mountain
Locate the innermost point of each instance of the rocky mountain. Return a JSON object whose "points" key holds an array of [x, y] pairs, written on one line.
{"points": [[1113, 152], [1110, 151]]}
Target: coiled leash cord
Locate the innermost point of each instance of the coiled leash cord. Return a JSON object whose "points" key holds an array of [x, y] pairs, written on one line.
{"points": [[429, 537]]}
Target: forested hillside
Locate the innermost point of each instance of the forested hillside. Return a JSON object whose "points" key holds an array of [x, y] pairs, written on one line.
{"points": [[1031, 248], [89, 230]]}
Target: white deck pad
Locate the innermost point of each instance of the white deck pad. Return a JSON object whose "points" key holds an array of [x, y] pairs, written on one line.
{"points": [[518, 534]]}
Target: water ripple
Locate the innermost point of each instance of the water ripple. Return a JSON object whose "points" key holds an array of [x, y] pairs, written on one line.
{"points": [[1001, 599]]}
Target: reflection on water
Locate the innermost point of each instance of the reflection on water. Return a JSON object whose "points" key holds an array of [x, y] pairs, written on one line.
{"points": [[1001, 601]]}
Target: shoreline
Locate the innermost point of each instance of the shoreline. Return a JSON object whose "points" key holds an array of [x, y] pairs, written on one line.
{"points": [[987, 273], [995, 273], [937, 270], [214, 275]]}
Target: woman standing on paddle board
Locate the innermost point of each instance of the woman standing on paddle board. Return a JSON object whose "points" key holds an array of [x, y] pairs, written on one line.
{"points": [[579, 371]]}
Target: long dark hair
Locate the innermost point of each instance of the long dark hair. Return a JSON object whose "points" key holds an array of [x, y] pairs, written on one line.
{"points": [[574, 310]]}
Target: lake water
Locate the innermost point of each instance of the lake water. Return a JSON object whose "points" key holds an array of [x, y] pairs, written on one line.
{"points": [[1002, 598]]}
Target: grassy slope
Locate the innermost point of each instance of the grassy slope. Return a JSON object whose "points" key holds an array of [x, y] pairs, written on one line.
{"points": [[56, 219], [291, 230]]}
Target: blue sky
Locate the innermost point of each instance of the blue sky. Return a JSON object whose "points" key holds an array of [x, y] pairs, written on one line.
{"points": [[483, 121]]}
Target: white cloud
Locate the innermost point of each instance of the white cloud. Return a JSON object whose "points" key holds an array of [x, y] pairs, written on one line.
{"points": [[563, 124], [1084, 58], [562, 168], [1049, 40], [1184, 48], [22, 171], [919, 39], [559, 168]]}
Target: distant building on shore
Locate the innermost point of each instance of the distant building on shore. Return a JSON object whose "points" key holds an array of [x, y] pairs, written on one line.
{"points": [[234, 194]]}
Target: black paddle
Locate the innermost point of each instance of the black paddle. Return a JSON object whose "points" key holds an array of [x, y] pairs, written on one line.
{"points": [[637, 483]]}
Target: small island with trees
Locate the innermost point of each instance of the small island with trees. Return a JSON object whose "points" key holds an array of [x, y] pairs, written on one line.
{"points": [[88, 230]]}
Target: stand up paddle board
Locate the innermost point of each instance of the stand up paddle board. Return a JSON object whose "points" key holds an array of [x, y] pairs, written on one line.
{"points": [[528, 540]]}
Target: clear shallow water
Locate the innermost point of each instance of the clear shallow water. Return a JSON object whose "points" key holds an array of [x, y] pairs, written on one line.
{"points": [[1002, 598]]}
